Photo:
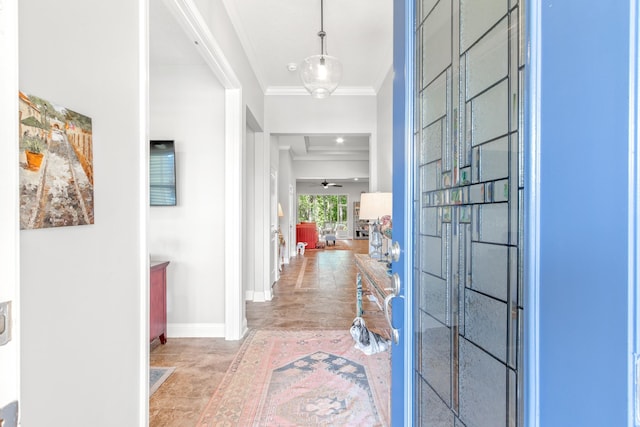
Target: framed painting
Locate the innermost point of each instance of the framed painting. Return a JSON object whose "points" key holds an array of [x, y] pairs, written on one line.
{"points": [[56, 165]]}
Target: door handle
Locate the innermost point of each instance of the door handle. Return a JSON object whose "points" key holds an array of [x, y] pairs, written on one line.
{"points": [[395, 334], [395, 283], [395, 292]]}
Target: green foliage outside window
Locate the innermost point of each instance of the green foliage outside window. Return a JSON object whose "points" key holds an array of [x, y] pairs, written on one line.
{"points": [[322, 209]]}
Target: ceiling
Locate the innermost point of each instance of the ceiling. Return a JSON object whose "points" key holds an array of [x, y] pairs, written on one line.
{"points": [[275, 33], [326, 147]]}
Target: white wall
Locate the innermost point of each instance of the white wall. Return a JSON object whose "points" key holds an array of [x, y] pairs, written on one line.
{"points": [[344, 169], [256, 215], [286, 180], [83, 344], [303, 114], [217, 18], [249, 219], [187, 105], [384, 147], [9, 212]]}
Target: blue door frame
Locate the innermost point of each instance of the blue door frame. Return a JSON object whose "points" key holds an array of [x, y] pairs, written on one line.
{"points": [[581, 157], [402, 355], [579, 219]]}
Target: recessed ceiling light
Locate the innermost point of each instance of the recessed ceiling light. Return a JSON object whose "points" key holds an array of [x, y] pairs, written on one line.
{"points": [[339, 140], [292, 66]]}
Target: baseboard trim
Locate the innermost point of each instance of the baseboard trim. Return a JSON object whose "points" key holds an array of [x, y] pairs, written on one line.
{"points": [[195, 330], [258, 296]]}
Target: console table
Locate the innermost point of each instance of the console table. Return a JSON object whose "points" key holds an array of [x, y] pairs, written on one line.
{"points": [[372, 279], [158, 301]]}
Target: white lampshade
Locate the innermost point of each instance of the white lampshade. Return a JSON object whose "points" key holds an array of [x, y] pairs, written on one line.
{"points": [[375, 205], [320, 75], [280, 213]]}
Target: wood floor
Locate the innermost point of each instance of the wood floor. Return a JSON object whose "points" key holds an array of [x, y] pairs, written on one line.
{"points": [[315, 291]]}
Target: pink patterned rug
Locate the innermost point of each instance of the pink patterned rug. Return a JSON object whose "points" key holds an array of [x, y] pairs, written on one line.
{"points": [[301, 378]]}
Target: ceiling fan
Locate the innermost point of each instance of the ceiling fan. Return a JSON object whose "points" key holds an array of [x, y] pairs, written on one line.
{"points": [[326, 184]]}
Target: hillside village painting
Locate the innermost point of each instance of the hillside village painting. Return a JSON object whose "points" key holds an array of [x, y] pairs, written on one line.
{"points": [[56, 165]]}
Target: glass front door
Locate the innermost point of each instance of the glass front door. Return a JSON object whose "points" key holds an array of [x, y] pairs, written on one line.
{"points": [[467, 196]]}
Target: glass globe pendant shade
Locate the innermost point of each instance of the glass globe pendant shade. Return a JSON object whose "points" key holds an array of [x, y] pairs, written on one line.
{"points": [[321, 74]]}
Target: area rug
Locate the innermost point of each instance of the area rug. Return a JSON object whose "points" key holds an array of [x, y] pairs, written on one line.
{"points": [[337, 244], [157, 376], [301, 378]]}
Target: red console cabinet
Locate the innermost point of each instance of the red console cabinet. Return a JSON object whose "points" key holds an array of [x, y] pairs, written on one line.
{"points": [[158, 301], [307, 232]]}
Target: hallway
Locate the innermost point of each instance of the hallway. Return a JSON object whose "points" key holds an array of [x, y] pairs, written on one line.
{"points": [[315, 291]]}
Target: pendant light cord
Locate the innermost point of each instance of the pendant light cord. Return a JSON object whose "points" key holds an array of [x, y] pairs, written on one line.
{"points": [[322, 34]]}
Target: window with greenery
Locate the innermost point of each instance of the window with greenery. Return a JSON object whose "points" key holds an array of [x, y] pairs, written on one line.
{"points": [[323, 209]]}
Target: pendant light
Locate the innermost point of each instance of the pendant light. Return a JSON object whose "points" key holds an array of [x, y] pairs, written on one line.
{"points": [[321, 74]]}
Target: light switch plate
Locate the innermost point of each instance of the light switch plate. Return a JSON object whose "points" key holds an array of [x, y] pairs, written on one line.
{"points": [[5, 322]]}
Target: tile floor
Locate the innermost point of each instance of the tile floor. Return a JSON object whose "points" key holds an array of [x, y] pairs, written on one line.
{"points": [[315, 291]]}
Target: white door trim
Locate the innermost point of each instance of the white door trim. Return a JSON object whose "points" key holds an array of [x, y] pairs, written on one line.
{"points": [[195, 26], [532, 223], [9, 200], [143, 210], [272, 215]]}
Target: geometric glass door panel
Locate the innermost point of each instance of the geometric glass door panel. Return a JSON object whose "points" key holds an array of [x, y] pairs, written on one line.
{"points": [[468, 213]]}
